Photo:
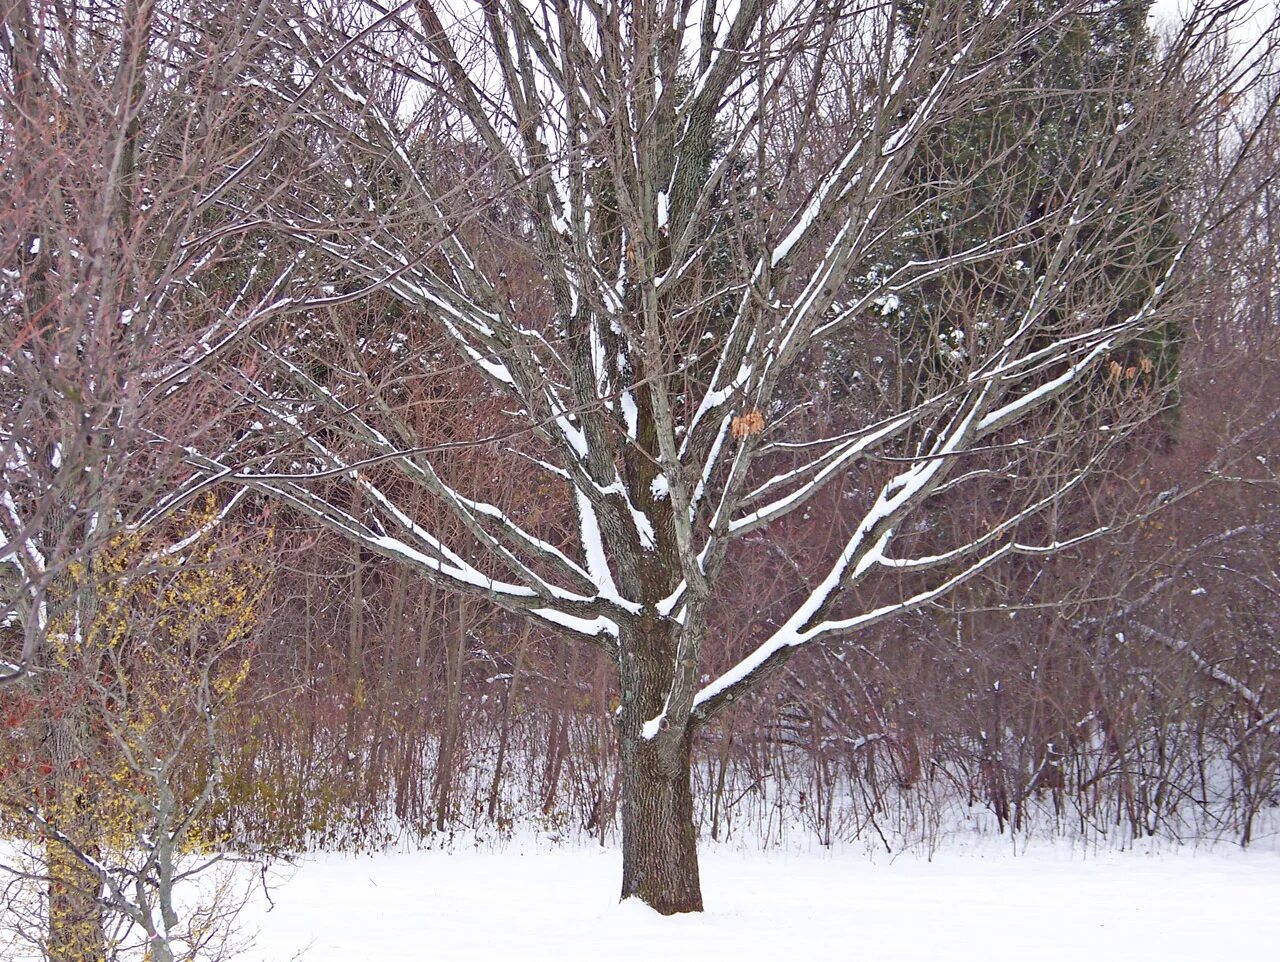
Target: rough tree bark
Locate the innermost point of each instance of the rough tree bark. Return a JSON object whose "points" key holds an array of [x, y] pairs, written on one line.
{"points": [[659, 839]]}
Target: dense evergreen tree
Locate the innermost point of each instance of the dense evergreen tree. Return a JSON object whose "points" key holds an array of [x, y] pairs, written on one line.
{"points": [[1022, 153]]}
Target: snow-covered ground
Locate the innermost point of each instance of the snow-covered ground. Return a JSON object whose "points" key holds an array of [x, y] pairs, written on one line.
{"points": [[978, 901]]}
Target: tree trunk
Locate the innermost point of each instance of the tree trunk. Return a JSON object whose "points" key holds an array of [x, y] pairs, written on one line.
{"points": [[508, 715], [454, 652], [75, 917], [75, 914], [722, 771], [659, 842]]}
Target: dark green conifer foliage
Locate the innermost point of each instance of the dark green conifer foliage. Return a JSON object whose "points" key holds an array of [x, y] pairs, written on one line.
{"points": [[1019, 155]]}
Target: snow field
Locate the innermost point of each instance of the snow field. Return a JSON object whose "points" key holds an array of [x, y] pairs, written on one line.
{"points": [[1048, 903]]}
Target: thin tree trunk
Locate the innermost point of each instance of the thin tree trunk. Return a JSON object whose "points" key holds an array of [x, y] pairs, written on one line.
{"points": [[722, 769], [508, 714], [455, 651], [76, 929], [558, 744], [555, 759], [355, 649]]}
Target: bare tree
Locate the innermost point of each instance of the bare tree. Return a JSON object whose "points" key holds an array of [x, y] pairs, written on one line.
{"points": [[634, 228], [126, 132]]}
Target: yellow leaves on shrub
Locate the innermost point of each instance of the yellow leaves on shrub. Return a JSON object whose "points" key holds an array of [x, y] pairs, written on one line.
{"points": [[152, 642]]}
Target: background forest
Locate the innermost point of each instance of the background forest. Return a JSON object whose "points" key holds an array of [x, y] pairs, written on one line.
{"points": [[392, 397]]}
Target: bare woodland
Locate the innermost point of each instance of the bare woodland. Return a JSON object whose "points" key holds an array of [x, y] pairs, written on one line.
{"points": [[648, 420]]}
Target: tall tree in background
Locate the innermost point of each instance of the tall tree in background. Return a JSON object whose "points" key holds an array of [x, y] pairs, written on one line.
{"points": [[564, 197]]}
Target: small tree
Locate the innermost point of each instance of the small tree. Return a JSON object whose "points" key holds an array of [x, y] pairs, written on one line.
{"points": [[123, 127]]}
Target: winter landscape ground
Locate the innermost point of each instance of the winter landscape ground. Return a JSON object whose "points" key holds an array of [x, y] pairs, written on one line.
{"points": [[973, 901]]}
